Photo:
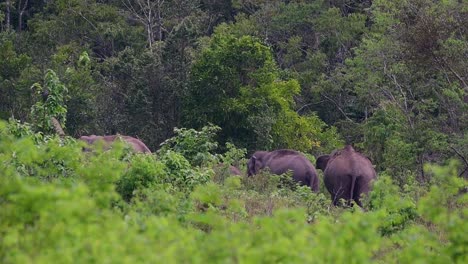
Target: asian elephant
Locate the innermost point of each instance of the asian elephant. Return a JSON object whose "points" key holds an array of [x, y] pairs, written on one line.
{"points": [[284, 160], [223, 168], [136, 144], [347, 174], [234, 170], [231, 169]]}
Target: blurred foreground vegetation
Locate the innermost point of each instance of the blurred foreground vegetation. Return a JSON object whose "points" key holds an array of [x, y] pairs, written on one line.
{"points": [[61, 205]]}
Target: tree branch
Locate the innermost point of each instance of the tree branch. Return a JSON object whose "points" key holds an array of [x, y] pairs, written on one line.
{"points": [[463, 158], [337, 106], [307, 105]]}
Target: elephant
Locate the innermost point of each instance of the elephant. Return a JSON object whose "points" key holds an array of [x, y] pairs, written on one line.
{"points": [[234, 170], [231, 169], [136, 144], [347, 174], [284, 160]]}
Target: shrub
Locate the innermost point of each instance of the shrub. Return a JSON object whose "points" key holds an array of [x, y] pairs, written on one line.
{"points": [[144, 171], [195, 146], [175, 213], [400, 210]]}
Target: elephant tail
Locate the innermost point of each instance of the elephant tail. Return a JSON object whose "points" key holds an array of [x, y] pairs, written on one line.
{"points": [[353, 183]]}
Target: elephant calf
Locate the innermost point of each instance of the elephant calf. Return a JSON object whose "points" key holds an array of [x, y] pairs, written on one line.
{"points": [[234, 170], [282, 161], [136, 144], [347, 174], [231, 169]]}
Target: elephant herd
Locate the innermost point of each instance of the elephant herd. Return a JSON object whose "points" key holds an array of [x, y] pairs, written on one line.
{"points": [[347, 173]]}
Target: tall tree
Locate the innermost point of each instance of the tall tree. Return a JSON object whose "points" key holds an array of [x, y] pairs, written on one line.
{"points": [[150, 14], [236, 85]]}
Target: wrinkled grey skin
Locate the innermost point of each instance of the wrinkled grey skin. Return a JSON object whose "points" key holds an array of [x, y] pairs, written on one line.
{"points": [[347, 174], [136, 144], [284, 160]]}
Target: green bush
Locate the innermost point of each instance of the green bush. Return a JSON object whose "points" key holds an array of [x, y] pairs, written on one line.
{"points": [[181, 174], [400, 210], [195, 146], [144, 171], [174, 212]]}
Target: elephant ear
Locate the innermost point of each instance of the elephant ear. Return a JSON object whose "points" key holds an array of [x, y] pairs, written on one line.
{"points": [[253, 166], [322, 162], [258, 165]]}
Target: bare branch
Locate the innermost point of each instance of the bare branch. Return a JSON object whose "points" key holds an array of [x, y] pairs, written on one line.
{"points": [[337, 106], [307, 105], [463, 158], [20, 16]]}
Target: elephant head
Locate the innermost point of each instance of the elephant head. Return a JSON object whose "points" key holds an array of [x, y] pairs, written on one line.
{"points": [[322, 162], [256, 162], [89, 140]]}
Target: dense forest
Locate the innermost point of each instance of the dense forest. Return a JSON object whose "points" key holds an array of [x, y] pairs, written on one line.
{"points": [[208, 82]]}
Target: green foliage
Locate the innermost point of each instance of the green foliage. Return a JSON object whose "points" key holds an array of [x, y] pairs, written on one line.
{"points": [[446, 205], [18, 129], [386, 76], [195, 146], [388, 144], [170, 214], [208, 195], [400, 212], [228, 69], [404, 100], [267, 72], [75, 67], [17, 74], [316, 204], [155, 201], [233, 155], [145, 172], [51, 105], [181, 173], [237, 78]]}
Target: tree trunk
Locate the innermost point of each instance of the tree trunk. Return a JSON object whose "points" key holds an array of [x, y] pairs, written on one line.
{"points": [[150, 35], [7, 19], [57, 127], [20, 16], [159, 21]]}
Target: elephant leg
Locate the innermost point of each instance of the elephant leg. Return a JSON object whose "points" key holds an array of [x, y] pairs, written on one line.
{"points": [[336, 197], [358, 191], [358, 202], [351, 192]]}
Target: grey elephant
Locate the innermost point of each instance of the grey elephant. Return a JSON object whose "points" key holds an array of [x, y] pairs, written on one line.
{"points": [[136, 144], [347, 174], [232, 170], [284, 160]]}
